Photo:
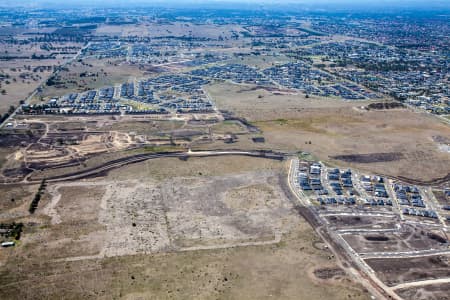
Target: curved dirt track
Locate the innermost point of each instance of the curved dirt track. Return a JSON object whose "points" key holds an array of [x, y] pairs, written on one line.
{"points": [[117, 163]]}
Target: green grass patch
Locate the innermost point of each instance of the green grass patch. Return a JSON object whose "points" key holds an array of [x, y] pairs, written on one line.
{"points": [[306, 156]]}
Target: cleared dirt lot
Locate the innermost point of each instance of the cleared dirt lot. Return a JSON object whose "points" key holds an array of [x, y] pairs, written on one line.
{"points": [[195, 231], [408, 239], [428, 292], [393, 271], [362, 222], [328, 127]]}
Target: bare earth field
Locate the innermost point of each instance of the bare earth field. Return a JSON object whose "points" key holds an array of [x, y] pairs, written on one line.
{"points": [[428, 292], [173, 229], [329, 128], [399, 270], [369, 222], [408, 240]]}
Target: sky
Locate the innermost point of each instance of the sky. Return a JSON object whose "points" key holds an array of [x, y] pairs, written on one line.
{"points": [[309, 3]]}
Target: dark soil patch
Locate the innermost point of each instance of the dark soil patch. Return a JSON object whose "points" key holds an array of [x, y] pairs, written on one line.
{"points": [[385, 105], [432, 292], [328, 273], [370, 157], [259, 140], [437, 237], [348, 220], [228, 116], [17, 172], [16, 140], [376, 238], [393, 271]]}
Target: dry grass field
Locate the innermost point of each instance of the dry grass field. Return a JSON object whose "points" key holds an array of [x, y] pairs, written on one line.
{"points": [[260, 62], [329, 128], [172, 29], [95, 73], [23, 77], [168, 229]]}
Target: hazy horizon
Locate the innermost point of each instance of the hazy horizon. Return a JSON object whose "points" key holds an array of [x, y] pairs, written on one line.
{"points": [[306, 3]]}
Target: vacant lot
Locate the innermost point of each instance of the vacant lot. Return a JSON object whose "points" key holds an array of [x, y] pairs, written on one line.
{"points": [[409, 239], [393, 271], [15, 201], [369, 222], [172, 29], [427, 292], [258, 104], [211, 228], [90, 73], [19, 78], [330, 127]]}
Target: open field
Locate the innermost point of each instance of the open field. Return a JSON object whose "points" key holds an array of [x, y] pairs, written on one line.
{"points": [[409, 239], [15, 201], [259, 104], [393, 271], [212, 227], [91, 73], [261, 62], [428, 292], [364, 222], [31, 66], [164, 168], [169, 30], [330, 128], [22, 77]]}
